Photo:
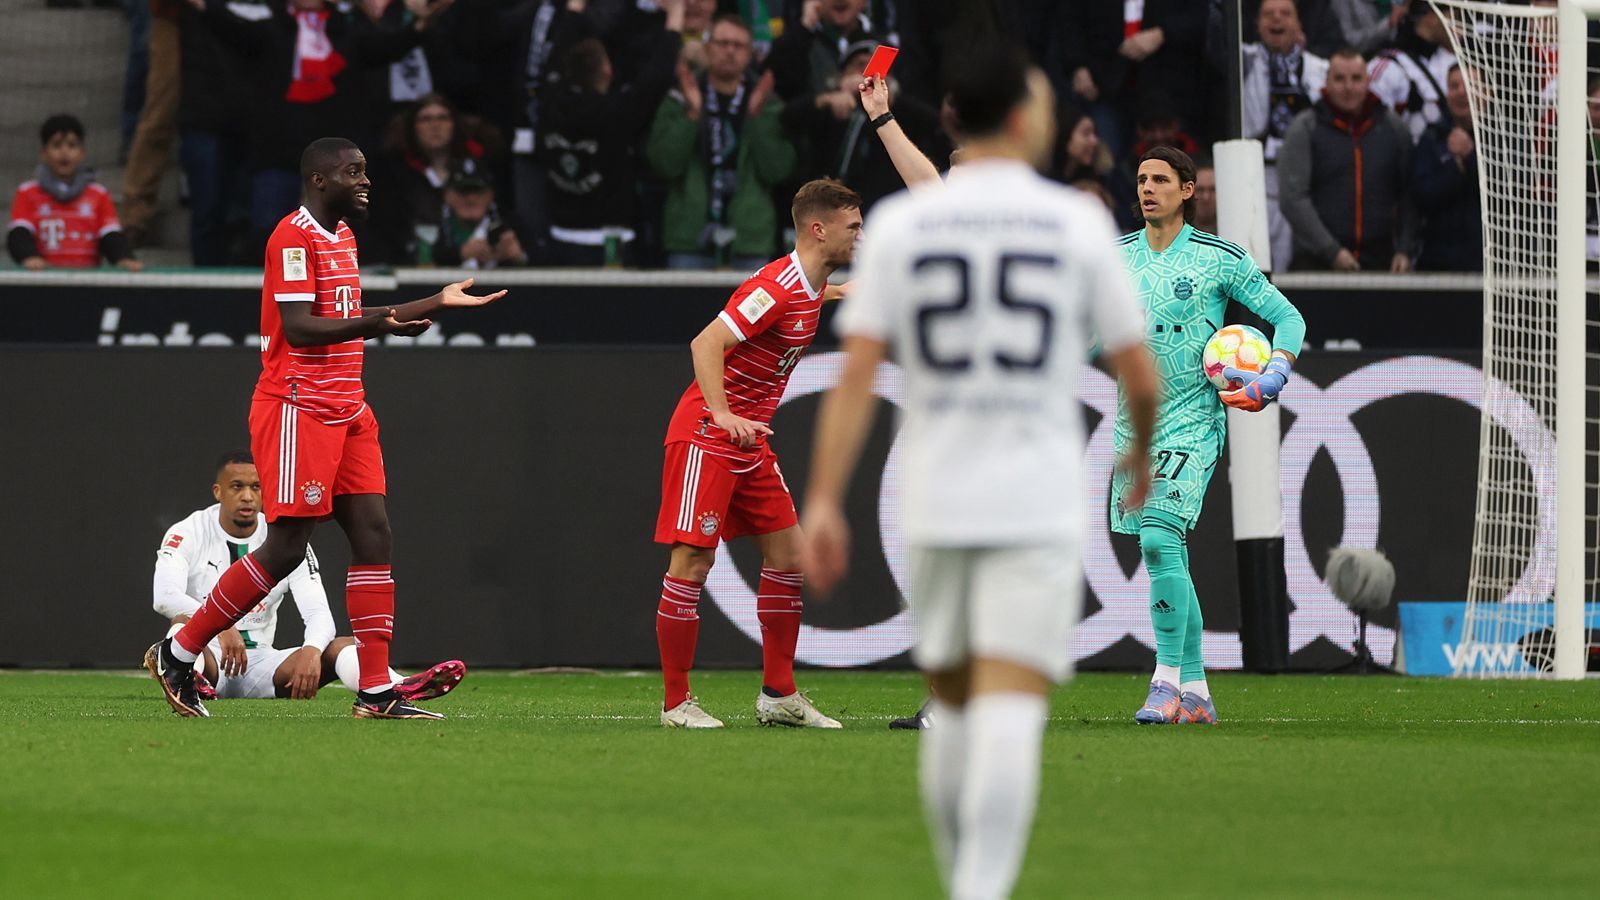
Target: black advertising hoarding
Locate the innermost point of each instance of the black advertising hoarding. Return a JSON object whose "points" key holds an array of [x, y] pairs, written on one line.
{"points": [[1440, 313], [524, 487]]}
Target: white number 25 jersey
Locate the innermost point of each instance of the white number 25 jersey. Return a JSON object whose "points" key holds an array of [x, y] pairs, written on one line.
{"points": [[986, 293]]}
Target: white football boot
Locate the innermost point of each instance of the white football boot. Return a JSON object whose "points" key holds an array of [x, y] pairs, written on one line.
{"points": [[794, 711], [688, 714]]}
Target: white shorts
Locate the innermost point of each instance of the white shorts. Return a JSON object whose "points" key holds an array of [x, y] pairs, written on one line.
{"points": [[1019, 604], [260, 665]]}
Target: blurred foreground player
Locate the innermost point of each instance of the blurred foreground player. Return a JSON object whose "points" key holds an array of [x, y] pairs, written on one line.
{"points": [[918, 172], [242, 662], [982, 292], [721, 480], [314, 438], [1185, 278]]}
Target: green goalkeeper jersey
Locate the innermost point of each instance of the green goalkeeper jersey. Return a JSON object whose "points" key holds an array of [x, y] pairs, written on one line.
{"points": [[1184, 291]]}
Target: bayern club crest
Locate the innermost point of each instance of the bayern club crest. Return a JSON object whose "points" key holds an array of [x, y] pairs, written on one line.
{"points": [[312, 491], [709, 523]]}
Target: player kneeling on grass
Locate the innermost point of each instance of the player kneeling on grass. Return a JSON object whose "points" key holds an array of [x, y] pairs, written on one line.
{"points": [[314, 435], [241, 662], [721, 479]]}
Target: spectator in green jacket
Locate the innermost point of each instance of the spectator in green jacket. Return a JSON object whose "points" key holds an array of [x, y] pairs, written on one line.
{"points": [[718, 144]]}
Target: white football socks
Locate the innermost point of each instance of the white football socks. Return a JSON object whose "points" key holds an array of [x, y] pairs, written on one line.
{"points": [[999, 793], [178, 650], [941, 768], [348, 667], [1198, 688], [1169, 674]]}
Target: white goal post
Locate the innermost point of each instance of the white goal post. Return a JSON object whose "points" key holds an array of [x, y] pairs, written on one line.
{"points": [[1534, 538]]}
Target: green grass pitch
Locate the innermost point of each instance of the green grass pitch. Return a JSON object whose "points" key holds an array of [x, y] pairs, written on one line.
{"points": [[563, 786]]}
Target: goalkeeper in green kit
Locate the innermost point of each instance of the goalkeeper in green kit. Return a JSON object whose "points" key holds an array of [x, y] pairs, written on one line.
{"points": [[1185, 278]]}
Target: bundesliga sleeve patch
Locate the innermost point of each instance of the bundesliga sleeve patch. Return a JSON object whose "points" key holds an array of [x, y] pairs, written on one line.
{"points": [[755, 305], [173, 541], [294, 264]]}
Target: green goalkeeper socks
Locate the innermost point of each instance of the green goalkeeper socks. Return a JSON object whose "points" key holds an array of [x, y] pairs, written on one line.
{"points": [[1194, 667], [1172, 596]]}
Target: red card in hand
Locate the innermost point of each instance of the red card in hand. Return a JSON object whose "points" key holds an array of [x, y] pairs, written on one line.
{"points": [[882, 59]]}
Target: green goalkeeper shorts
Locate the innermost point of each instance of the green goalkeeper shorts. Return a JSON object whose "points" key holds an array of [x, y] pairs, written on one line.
{"points": [[1180, 474]]}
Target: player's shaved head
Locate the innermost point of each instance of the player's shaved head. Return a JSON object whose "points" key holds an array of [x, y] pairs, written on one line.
{"points": [[323, 155], [333, 173]]}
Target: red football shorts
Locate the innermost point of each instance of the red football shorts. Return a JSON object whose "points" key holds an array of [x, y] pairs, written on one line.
{"points": [[304, 463], [706, 498]]}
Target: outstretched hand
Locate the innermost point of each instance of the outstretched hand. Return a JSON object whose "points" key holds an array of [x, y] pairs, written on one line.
{"points": [[874, 96], [412, 328], [455, 296]]}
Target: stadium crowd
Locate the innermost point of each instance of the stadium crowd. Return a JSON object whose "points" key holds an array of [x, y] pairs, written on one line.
{"points": [[673, 132]]}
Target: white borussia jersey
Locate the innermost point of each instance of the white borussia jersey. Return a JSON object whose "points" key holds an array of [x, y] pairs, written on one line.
{"points": [[986, 292], [195, 552]]}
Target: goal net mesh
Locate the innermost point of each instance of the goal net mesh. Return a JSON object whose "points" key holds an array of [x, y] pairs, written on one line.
{"points": [[1508, 57]]}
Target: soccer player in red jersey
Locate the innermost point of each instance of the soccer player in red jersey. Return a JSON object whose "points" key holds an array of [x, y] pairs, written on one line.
{"points": [[721, 479], [314, 438]]}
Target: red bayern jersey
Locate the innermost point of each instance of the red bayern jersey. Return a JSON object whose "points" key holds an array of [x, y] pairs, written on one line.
{"points": [[306, 264], [774, 315], [67, 234]]}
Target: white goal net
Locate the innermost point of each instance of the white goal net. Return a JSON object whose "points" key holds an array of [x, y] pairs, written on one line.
{"points": [[1531, 593]]}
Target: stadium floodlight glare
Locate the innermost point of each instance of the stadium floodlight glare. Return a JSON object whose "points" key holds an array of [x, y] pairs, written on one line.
{"points": [[1526, 76]]}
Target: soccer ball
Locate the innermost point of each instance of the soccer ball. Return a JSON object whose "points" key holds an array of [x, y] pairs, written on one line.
{"points": [[1239, 346]]}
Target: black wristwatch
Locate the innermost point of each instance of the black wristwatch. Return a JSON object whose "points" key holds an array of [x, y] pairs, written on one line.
{"points": [[882, 120]]}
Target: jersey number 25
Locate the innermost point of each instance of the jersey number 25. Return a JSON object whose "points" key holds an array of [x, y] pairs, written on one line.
{"points": [[953, 305]]}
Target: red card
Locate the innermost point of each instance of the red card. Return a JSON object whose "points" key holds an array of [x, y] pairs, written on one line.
{"points": [[882, 59]]}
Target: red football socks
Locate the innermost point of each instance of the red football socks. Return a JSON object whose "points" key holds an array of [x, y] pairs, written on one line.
{"points": [[677, 628], [778, 610], [369, 598], [239, 589]]}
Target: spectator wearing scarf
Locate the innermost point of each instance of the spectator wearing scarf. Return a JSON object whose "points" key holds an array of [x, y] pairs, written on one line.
{"points": [[718, 143], [1281, 80]]}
